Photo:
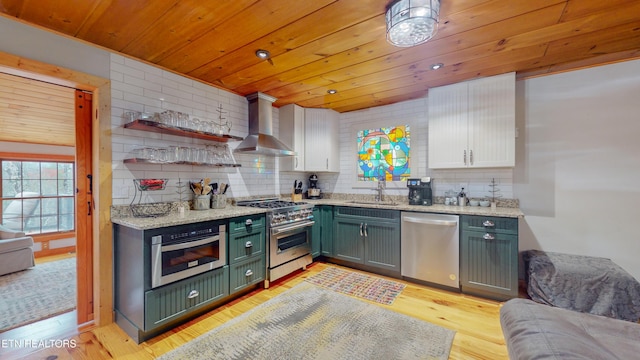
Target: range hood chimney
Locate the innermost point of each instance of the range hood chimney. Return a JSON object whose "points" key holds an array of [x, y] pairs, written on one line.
{"points": [[260, 139]]}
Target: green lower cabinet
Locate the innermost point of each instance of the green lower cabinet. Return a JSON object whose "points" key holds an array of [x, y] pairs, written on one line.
{"points": [[244, 245], [326, 236], [489, 258], [382, 244], [316, 233], [349, 239], [162, 305], [246, 273], [368, 236]]}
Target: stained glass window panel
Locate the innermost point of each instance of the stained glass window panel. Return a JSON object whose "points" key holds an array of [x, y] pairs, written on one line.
{"points": [[384, 154]]}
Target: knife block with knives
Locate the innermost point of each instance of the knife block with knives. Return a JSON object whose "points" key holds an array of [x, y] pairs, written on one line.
{"points": [[296, 193]]}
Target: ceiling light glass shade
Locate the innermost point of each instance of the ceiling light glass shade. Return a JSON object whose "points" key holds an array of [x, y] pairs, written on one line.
{"points": [[412, 22]]}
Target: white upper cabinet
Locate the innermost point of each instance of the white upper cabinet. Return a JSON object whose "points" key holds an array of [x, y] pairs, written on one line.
{"points": [[292, 134], [322, 147], [472, 124]]}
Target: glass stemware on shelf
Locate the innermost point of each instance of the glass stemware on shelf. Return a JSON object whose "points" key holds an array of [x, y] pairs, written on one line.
{"points": [[218, 154], [179, 120]]}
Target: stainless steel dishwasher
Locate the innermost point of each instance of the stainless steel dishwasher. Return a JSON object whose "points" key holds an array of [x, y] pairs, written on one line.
{"points": [[430, 249]]}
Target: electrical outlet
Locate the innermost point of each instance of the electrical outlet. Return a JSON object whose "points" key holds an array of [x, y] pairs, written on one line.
{"points": [[45, 245]]}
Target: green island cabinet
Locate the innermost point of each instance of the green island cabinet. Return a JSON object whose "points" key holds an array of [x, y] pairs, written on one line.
{"points": [[322, 231], [489, 256], [247, 242], [144, 312], [370, 237]]}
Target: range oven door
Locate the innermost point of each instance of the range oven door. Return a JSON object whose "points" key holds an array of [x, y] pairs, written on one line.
{"points": [[176, 260], [289, 242]]}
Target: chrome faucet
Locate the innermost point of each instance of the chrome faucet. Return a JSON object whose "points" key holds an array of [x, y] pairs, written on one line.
{"points": [[382, 184]]}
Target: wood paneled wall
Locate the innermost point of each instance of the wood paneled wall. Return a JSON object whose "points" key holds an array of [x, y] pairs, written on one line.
{"points": [[36, 112]]}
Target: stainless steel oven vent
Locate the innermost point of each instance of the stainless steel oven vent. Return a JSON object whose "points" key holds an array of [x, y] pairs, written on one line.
{"points": [[260, 139]]}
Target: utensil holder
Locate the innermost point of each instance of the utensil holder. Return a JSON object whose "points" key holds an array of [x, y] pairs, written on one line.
{"points": [[296, 197], [218, 201], [201, 202]]}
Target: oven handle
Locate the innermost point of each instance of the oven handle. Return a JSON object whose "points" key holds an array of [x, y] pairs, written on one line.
{"points": [[189, 244], [293, 227]]}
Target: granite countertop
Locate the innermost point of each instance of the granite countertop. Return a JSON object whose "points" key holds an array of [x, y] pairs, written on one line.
{"points": [[231, 211], [436, 208], [191, 216]]}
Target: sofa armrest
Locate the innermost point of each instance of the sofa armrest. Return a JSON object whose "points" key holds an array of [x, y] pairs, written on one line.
{"points": [[6, 233]]}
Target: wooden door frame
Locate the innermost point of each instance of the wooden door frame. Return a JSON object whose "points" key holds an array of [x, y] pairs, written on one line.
{"points": [[101, 244]]}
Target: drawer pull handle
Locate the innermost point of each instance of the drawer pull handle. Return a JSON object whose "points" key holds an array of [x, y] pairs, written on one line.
{"points": [[488, 223], [248, 272], [248, 244], [488, 236], [193, 294], [248, 222]]}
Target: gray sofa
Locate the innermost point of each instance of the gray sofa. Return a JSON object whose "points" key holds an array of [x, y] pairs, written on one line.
{"points": [[16, 251], [537, 331]]}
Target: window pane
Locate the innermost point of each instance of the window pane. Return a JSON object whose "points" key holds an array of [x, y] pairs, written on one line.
{"points": [[49, 187], [66, 206], [11, 169], [49, 170], [32, 225], [30, 188], [30, 170], [10, 188], [12, 214], [65, 187], [50, 206], [65, 171], [49, 223], [67, 222]]}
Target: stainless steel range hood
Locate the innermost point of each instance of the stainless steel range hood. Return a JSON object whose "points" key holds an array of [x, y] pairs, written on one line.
{"points": [[260, 139]]}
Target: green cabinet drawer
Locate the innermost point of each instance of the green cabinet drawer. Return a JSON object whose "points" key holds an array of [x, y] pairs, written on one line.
{"points": [[243, 245], [489, 256], [246, 273], [247, 224], [171, 302], [489, 223]]}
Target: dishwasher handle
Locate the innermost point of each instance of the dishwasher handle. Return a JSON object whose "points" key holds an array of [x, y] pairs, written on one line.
{"points": [[430, 221]]}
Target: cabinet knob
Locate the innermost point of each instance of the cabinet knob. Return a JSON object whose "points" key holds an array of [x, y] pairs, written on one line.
{"points": [[361, 233], [248, 273], [193, 294], [488, 236], [470, 157], [365, 230], [248, 222], [464, 156], [248, 244], [488, 223]]}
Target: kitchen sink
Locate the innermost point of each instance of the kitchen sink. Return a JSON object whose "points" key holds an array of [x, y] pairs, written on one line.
{"points": [[382, 203]]}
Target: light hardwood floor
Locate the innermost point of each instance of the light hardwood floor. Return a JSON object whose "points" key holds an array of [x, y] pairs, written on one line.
{"points": [[476, 321]]}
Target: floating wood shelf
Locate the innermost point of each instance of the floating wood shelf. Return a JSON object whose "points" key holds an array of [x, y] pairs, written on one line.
{"points": [[145, 161], [154, 126]]}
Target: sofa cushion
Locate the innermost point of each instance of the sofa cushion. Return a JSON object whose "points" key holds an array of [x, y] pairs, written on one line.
{"points": [[15, 244], [538, 331]]}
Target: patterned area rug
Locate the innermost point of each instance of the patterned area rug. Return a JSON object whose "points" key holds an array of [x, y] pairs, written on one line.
{"points": [[310, 322], [38, 293], [364, 286]]}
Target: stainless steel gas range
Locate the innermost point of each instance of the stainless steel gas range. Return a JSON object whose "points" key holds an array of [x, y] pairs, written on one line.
{"points": [[288, 235]]}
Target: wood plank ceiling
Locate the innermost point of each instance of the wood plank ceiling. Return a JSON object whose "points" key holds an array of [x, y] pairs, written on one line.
{"points": [[328, 44]]}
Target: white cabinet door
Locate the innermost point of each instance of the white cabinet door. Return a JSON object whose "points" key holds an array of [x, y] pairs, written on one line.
{"points": [[321, 140], [292, 133], [492, 138], [448, 124], [472, 124]]}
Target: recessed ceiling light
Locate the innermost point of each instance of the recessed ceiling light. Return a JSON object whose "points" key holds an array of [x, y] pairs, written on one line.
{"points": [[436, 66], [263, 54], [332, 91]]}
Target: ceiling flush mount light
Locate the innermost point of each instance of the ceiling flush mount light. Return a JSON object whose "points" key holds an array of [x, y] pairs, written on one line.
{"points": [[436, 66], [332, 91], [263, 54], [412, 22]]}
